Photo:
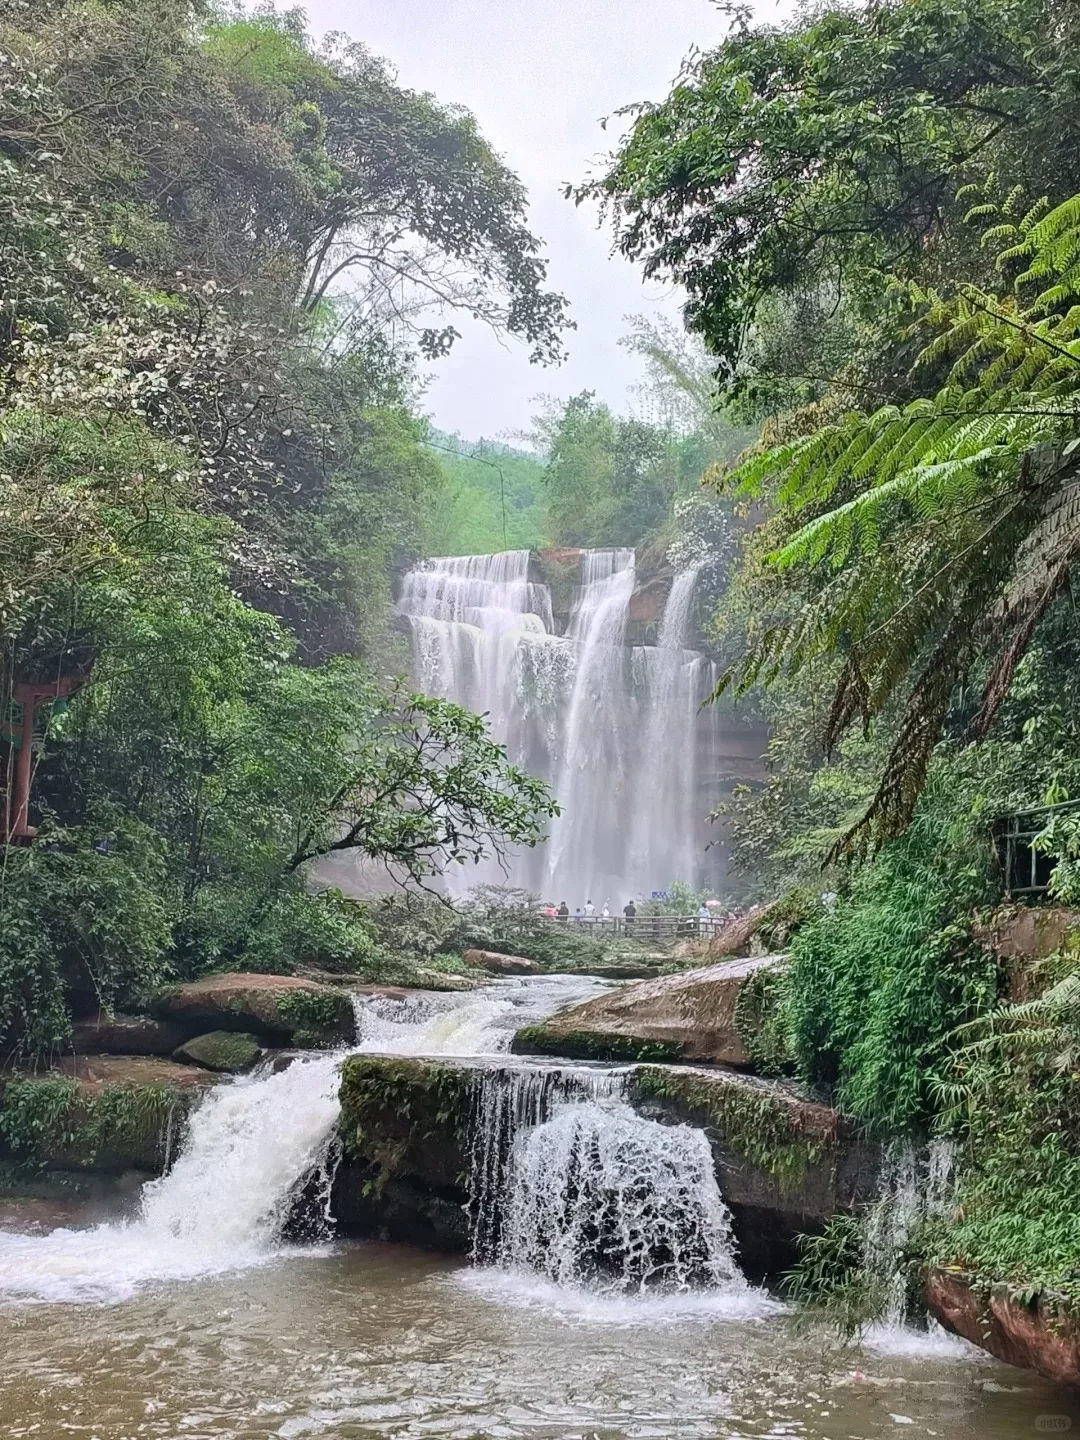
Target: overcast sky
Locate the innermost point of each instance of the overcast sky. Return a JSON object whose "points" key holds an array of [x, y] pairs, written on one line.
{"points": [[540, 75]]}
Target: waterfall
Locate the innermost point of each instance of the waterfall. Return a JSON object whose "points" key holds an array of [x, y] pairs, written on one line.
{"points": [[223, 1206], [618, 732], [916, 1184]]}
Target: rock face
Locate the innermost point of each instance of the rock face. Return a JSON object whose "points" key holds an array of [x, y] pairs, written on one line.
{"points": [[784, 1165], [227, 1051], [675, 1017], [1021, 935], [124, 1035], [497, 964], [104, 1113], [1038, 1337], [404, 1128], [281, 1009]]}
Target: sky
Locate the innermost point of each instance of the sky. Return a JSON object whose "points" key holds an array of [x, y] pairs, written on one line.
{"points": [[540, 75]]}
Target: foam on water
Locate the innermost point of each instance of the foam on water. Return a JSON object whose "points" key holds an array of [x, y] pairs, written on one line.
{"points": [[476, 1023]]}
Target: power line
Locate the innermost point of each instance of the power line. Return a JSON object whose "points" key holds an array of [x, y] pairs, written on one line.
{"points": [[481, 459]]}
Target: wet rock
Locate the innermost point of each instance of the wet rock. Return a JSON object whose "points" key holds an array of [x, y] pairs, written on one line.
{"points": [[784, 1164], [1022, 935], [229, 1052], [497, 964], [404, 1170], [124, 1035], [282, 1009], [689, 1016], [107, 1113], [1039, 1336]]}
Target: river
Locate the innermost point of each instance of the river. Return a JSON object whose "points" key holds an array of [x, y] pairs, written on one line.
{"points": [[190, 1318]]}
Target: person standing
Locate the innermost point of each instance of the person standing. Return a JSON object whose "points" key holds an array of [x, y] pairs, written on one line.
{"points": [[703, 919], [590, 910], [630, 914], [564, 911]]}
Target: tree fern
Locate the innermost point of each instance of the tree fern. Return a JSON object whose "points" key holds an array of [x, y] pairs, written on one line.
{"points": [[921, 537]]}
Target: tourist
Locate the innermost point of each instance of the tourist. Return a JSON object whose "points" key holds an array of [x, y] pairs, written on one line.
{"points": [[590, 911], [703, 919], [605, 913], [564, 911], [578, 916], [630, 912]]}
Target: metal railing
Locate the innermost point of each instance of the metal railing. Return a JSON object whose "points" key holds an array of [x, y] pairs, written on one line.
{"points": [[1026, 871], [645, 927]]}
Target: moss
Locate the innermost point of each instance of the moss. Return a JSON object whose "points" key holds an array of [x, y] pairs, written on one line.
{"points": [[760, 1021], [405, 1115], [318, 1019], [785, 1141], [593, 1045], [228, 1051], [55, 1122]]}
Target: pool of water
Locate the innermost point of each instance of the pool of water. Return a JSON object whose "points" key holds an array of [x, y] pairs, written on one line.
{"points": [[368, 1340]]}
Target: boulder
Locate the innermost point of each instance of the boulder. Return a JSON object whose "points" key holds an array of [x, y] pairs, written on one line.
{"points": [[784, 1164], [684, 1017], [107, 1113], [1038, 1336], [124, 1035], [280, 1009], [1023, 935], [497, 964], [229, 1052]]}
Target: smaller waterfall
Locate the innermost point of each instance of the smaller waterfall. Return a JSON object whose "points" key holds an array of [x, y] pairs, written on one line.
{"points": [[917, 1184], [599, 1197], [569, 1184]]}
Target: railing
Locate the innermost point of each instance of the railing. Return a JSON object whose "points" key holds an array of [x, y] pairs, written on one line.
{"points": [[1026, 871], [645, 927]]}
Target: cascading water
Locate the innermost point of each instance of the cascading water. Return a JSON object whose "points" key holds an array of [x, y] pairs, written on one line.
{"points": [[599, 1197], [619, 733], [223, 1206]]}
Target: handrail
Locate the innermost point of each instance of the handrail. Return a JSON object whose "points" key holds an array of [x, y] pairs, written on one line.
{"points": [[644, 927]]}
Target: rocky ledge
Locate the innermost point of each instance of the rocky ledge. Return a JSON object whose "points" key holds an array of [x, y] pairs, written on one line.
{"points": [[686, 1017], [107, 1113], [1038, 1335], [281, 1009], [784, 1165]]}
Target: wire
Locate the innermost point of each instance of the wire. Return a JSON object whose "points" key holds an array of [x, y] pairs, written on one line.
{"points": [[463, 455]]}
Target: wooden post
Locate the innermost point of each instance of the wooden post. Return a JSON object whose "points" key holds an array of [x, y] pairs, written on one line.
{"points": [[30, 696]]}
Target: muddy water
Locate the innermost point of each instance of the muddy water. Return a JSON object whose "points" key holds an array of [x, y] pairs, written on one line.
{"points": [[380, 1341]]}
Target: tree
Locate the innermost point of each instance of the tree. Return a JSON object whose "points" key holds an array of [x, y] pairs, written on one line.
{"points": [[830, 150]]}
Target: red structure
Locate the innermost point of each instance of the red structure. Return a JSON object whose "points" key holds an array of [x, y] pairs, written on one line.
{"points": [[15, 818]]}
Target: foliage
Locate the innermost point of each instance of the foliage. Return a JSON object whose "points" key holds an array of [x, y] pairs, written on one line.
{"points": [[820, 153], [491, 498], [509, 922], [876, 983], [57, 1122], [769, 1131], [224, 250], [1011, 1089]]}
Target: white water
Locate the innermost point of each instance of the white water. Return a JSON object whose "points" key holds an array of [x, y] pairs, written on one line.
{"points": [[599, 1197], [477, 1022], [221, 1207], [619, 733]]}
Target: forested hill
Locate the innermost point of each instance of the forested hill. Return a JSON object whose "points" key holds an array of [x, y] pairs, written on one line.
{"points": [[224, 252]]}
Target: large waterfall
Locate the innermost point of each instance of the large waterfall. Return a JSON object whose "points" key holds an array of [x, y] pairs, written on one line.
{"points": [[618, 731]]}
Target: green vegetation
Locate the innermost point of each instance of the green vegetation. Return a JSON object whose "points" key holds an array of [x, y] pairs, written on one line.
{"points": [[224, 251], [875, 213], [491, 498], [397, 1113], [60, 1124], [593, 1045], [783, 1139]]}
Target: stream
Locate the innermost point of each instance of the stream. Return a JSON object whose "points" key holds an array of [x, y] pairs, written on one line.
{"points": [[187, 1316]]}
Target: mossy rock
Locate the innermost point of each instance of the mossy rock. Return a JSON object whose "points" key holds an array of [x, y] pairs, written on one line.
{"points": [[543, 1039], [228, 1051], [405, 1116], [106, 1113], [280, 1009]]}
